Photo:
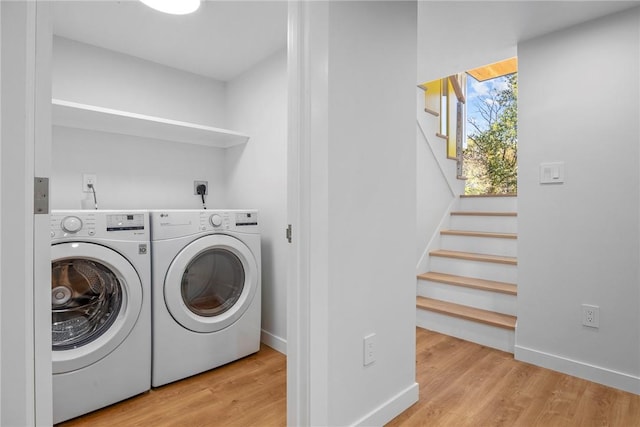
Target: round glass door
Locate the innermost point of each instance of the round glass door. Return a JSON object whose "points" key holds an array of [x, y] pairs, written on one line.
{"points": [[85, 300], [96, 298], [211, 283]]}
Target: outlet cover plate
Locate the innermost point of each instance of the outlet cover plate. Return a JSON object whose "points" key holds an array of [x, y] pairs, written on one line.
{"points": [[369, 355], [89, 178], [195, 187], [591, 315]]}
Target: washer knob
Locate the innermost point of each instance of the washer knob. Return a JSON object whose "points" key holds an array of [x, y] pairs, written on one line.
{"points": [[71, 224], [215, 220]]}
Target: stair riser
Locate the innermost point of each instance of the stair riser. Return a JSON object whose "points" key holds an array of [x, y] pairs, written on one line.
{"points": [[480, 245], [481, 270], [486, 300], [495, 224], [490, 204], [490, 336]]}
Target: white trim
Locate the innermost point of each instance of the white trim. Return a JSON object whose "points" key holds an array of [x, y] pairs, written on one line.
{"points": [[30, 249], [391, 408], [273, 341], [1, 212], [41, 240], [298, 345], [18, 340], [587, 371]]}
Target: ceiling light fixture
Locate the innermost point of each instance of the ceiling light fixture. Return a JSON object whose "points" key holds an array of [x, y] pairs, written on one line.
{"points": [[174, 7]]}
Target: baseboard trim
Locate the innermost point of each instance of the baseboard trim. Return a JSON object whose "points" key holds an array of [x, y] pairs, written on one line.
{"points": [[579, 369], [391, 408], [273, 341]]}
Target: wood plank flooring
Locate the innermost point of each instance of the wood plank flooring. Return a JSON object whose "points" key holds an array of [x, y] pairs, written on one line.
{"points": [[465, 384], [248, 392], [461, 384]]}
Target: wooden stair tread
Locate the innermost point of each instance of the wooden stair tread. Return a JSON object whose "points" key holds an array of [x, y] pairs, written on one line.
{"points": [[484, 213], [470, 256], [469, 313], [470, 282], [432, 112], [471, 196], [479, 234]]}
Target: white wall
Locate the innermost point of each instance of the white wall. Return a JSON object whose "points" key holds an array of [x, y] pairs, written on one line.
{"points": [[132, 172], [91, 75], [470, 41], [578, 243], [362, 208], [437, 187], [256, 178]]}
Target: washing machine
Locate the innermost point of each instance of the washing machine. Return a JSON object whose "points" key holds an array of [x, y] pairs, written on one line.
{"points": [[206, 290], [101, 309]]}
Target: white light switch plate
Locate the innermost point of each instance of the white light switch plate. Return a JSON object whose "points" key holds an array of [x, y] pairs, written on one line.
{"points": [[552, 173]]}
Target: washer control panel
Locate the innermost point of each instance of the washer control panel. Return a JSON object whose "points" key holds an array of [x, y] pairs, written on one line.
{"points": [[125, 222], [74, 224]]}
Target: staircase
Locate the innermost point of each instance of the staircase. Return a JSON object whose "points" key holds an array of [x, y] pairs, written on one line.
{"points": [[470, 289]]}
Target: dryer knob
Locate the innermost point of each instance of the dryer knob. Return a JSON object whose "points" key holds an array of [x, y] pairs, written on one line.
{"points": [[215, 220], [71, 224]]}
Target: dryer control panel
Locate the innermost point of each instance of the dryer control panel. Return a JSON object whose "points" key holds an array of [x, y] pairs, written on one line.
{"points": [[234, 220], [174, 223]]}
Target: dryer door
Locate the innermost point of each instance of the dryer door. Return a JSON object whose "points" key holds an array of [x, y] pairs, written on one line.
{"points": [[211, 283], [96, 298]]}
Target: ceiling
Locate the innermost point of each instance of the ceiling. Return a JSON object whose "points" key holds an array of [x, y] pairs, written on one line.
{"points": [[482, 32], [225, 38], [221, 40]]}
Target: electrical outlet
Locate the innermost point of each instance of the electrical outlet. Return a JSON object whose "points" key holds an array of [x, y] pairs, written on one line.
{"points": [[369, 349], [195, 187], [89, 178], [591, 315]]}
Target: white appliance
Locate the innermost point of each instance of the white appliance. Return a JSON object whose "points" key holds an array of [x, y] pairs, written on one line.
{"points": [[100, 301], [206, 282]]}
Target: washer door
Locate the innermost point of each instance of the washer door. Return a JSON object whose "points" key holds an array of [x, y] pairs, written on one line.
{"points": [[96, 298], [211, 283]]}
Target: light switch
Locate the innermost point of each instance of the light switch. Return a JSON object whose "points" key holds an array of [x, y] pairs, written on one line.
{"points": [[552, 173]]}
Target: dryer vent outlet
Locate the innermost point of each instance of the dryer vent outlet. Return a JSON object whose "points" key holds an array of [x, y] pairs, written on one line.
{"points": [[196, 184]]}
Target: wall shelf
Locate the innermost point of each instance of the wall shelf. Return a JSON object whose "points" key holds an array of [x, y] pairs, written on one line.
{"points": [[89, 117]]}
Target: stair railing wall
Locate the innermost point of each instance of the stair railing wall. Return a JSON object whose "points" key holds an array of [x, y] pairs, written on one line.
{"points": [[445, 176]]}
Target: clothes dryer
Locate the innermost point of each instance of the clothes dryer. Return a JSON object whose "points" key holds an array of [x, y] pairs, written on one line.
{"points": [[100, 301], [206, 290]]}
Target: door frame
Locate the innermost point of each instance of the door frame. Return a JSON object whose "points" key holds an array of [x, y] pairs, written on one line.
{"points": [[26, 154], [298, 322]]}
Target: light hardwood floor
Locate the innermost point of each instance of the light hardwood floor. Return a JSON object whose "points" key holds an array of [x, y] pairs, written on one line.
{"points": [[461, 384], [465, 384], [248, 392]]}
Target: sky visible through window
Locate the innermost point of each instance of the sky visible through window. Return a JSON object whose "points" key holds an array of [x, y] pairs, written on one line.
{"points": [[479, 93]]}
